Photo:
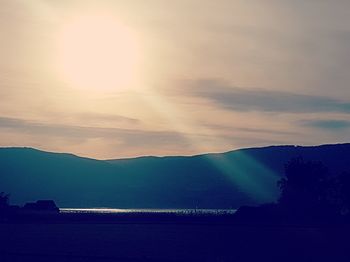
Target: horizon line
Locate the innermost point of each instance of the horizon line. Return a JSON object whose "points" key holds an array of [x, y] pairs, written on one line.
{"points": [[163, 156]]}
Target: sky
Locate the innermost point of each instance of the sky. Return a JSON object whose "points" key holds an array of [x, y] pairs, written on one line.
{"points": [[114, 79]]}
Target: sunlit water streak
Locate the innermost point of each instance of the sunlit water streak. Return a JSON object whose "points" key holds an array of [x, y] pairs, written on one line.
{"points": [[119, 211]]}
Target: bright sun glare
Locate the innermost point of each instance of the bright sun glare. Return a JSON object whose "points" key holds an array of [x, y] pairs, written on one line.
{"points": [[99, 53]]}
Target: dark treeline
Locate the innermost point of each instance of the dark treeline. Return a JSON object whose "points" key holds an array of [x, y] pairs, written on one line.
{"points": [[4, 202], [310, 187], [309, 193]]}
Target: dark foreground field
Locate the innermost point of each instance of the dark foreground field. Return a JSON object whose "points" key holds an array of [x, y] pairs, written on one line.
{"points": [[170, 242]]}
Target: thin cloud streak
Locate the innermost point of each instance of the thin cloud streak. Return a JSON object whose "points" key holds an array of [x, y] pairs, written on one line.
{"points": [[328, 124], [240, 99], [251, 130], [31, 127]]}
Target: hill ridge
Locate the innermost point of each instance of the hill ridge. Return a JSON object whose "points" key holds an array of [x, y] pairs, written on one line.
{"points": [[214, 180]]}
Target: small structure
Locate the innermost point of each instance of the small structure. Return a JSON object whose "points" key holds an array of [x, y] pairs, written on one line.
{"points": [[47, 206]]}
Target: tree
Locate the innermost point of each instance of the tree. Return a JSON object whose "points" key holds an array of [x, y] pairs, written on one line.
{"points": [[343, 192], [4, 202], [306, 185]]}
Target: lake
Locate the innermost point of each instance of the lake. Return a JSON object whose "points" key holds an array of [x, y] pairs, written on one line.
{"points": [[119, 210]]}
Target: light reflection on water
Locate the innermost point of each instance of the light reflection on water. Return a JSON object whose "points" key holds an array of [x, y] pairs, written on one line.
{"points": [[119, 210]]}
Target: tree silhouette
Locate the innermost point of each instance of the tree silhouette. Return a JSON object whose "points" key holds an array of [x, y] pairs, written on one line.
{"points": [[4, 200], [309, 189], [343, 192], [305, 181], [309, 194], [4, 203]]}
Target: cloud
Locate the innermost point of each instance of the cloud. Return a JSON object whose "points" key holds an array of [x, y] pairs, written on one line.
{"points": [[328, 124], [129, 136], [250, 130], [96, 117], [241, 99]]}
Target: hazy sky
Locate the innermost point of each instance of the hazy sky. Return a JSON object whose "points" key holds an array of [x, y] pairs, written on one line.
{"points": [[174, 77]]}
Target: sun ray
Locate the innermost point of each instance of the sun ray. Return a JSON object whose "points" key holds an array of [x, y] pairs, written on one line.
{"points": [[243, 171]]}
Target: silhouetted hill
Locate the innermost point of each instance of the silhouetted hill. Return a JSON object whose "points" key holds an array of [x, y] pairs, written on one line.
{"points": [[240, 177]]}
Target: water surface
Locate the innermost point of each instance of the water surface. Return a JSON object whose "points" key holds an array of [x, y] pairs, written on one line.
{"points": [[141, 210]]}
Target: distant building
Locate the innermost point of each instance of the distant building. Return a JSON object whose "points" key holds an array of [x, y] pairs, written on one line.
{"points": [[41, 206]]}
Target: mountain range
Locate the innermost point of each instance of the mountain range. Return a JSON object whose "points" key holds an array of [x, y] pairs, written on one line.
{"points": [[219, 180]]}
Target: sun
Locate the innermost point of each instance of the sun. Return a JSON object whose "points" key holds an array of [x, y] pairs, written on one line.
{"points": [[98, 52]]}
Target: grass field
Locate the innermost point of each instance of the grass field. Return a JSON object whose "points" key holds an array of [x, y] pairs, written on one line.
{"points": [[170, 242]]}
